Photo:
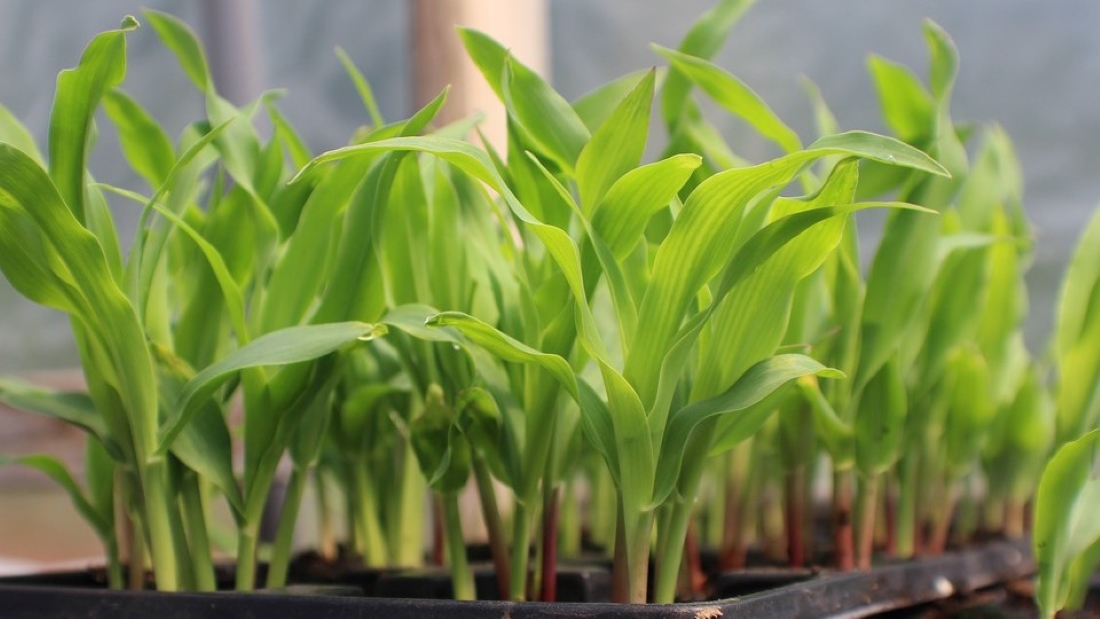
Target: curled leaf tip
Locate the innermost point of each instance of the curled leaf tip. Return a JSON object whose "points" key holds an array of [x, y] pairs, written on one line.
{"points": [[832, 373], [437, 320], [129, 23]]}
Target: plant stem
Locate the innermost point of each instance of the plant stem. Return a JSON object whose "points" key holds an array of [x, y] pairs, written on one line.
{"points": [[549, 590], [715, 509], [407, 549], [136, 560], [620, 580], [351, 511], [751, 512], [866, 507], [461, 576], [890, 515], [493, 524], [994, 510], [795, 510], [327, 545], [438, 536], [671, 548], [732, 550], [941, 519], [199, 542], [284, 535], [370, 529], [1015, 518], [906, 508], [115, 578], [966, 513], [697, 580], [569, 522], [771, 509], [842, 520], [670, 552], [247, 537], [517, 589], [157, 501], [638, 558], [602, 515]]}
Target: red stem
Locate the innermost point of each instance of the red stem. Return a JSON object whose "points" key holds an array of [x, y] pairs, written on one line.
{"points": [[697, 580], [549, 590], [795, 510], [891, 523], [438, 542], [842, 521], [620, 578]]}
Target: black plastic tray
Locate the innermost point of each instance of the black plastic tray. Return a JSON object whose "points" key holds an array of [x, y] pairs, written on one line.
{"points": [[850, 595]]}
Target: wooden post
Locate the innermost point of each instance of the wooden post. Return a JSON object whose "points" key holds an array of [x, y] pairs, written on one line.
{"points": [[439, 58]]}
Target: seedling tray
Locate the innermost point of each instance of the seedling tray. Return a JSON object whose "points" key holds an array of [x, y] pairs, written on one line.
{"points": [[862, 594]]}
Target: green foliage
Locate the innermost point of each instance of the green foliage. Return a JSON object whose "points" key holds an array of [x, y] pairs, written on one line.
{"points": [[565, 307]]}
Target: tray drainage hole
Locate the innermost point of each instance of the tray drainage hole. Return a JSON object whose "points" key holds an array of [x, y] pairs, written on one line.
{"points": [[943, 586]]}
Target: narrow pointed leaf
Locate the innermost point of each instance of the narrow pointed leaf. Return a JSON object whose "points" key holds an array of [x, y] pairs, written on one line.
{"points": [[617, 146], [756, 384], [1065, 525], [79, 90], [284, 347], [736, 97]]}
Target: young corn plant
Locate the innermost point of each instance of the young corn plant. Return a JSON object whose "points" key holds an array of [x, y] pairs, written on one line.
{"points": [[912, 323], [458, 429], [1064, 535], [639, 426], [68, 257]]}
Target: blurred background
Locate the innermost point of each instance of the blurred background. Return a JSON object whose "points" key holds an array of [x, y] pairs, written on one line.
{"points": [[1034, 70]]}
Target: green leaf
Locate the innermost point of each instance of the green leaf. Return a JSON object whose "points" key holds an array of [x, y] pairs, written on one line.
{"points": [[441, 451], [970, 409], [620, 218], [487, 54], [733, 95], [1077, 328], [756, 384], [836, 435], [506, 347], [880, 421], [146, 146], [79, 90], [56, 261], [72, 407], [178, 38], [595, 418], [702, 238], [283, 347], [204, 444], [13, 132], [230, 291], [548, 121], [596, 106], [1065, 526], [944, 64], [702, 41], [355, 292], [617, 146], [906, 106], [362, 86], [753, 317]]}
